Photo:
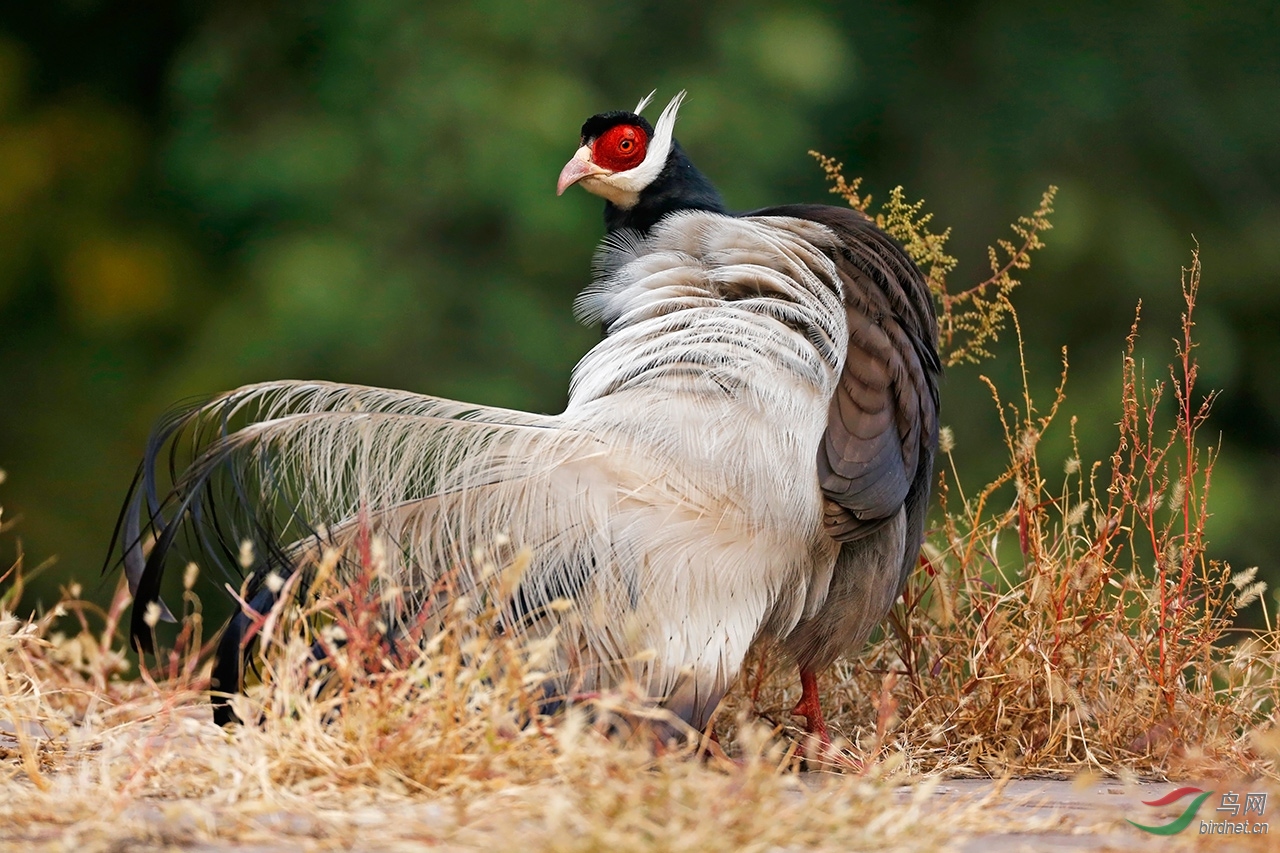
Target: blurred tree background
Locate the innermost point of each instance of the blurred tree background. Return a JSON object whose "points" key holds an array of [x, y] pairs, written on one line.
{"points": [[196, 195]]}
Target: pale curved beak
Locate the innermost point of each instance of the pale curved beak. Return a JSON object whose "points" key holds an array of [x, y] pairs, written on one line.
{"points": [[578, 168]]}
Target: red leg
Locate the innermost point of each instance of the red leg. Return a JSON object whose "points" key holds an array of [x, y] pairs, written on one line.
{"points": [[810, 708], [818, 748]]}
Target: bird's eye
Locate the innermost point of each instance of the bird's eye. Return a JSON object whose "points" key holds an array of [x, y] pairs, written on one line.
{"points": [[626, 145]]}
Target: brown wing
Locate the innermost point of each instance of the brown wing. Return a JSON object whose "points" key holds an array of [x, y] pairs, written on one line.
{"points": [[882, 426]]}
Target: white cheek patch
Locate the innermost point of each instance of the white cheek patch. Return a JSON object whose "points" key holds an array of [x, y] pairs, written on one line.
{"points": [[627, 185], [602, 185]]}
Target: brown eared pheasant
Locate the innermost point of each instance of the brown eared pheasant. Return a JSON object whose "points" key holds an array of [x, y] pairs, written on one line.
{"points": [[745, 455]]}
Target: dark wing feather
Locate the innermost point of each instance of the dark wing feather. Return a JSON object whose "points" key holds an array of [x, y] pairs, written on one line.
{"points": [[882, 427]]}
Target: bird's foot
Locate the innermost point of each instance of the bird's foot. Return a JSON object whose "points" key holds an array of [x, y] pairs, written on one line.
{"points": [[817, 749]]}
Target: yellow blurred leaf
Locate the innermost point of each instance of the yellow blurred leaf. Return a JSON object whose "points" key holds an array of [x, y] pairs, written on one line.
{"points": [[113, 280]]}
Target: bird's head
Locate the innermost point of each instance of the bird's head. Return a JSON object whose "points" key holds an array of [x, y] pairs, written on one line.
{"points": [[637, 168], [621, 153]]}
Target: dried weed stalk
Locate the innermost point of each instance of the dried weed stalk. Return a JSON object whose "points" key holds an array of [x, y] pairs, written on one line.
{"points": [[1058, 628], [971, 320]]}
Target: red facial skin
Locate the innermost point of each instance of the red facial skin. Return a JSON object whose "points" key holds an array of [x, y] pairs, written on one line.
{"points": [[620, 148]]}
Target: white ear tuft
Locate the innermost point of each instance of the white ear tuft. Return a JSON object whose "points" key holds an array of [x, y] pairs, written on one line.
{"points": [[644, 102], [667, 121]]}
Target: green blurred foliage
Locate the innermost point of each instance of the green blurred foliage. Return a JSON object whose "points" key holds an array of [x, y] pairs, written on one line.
{"points": [[198, 195]]}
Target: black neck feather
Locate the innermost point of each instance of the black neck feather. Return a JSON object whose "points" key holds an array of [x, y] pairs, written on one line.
{"points": [[679, 186]]}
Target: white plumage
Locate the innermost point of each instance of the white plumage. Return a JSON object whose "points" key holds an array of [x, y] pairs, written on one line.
{"points": [[664, 501]]}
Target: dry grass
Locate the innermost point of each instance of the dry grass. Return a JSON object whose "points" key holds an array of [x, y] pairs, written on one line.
{"points": [[1073, 627], [1065, 627], [444, 747]]}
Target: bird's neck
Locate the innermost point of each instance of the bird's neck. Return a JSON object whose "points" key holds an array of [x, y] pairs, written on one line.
{"points": [[680, 186]]}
